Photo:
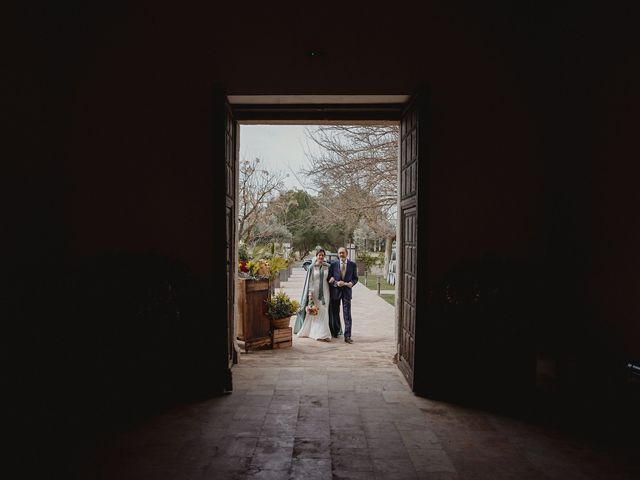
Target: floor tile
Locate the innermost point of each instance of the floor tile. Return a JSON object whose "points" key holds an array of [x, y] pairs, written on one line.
{"points": [[320, 411]]}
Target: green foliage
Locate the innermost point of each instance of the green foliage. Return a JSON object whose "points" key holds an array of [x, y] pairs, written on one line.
{"points": [[276, 264], [257, 252], [389, 298], [298, 210], [302, 219], [368, 259], [298, 216], [270, 230], [243, 253], [281, 306], [310, 236], [372, 283]]}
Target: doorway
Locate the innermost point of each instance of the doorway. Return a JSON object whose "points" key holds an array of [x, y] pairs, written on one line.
{"points": [[310, 188], [410, 113]]}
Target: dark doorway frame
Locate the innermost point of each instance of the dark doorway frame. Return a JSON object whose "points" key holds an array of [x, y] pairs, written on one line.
{"points": [[412, 153]]}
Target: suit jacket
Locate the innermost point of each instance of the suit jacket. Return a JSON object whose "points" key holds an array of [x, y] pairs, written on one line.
{"points": [[351, 275]]}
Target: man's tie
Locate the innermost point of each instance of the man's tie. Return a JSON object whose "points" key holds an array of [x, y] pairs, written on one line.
{"points": [[343, 269]]}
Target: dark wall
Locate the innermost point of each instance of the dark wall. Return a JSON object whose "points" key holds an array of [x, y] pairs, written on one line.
{"points": [[532, 138], [600, 67], [108, 277], [588, 159], [553, 199], [611, 123]]}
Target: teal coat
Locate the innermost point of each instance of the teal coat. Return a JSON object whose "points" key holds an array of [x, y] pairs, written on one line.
{"points": [[305, 299]]}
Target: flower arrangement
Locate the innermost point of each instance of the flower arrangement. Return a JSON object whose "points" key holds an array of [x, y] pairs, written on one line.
{"points": [[255, 269], [281, 306], [262, 269], [311, 308]]}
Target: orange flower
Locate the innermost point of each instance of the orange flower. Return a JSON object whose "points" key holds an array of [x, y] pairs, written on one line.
{"points": [[311, 309]]}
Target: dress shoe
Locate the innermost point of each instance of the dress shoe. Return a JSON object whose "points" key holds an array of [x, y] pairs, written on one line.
{"points": [[348, 340]]}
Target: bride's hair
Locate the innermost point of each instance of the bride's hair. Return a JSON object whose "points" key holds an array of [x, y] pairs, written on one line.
{"points": [[321, 250]]}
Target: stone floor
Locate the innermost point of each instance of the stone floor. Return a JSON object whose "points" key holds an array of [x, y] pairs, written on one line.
{"points": [[337, 411]]}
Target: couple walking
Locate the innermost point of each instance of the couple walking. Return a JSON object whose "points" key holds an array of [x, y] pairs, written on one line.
{"points": [[325, 286]]}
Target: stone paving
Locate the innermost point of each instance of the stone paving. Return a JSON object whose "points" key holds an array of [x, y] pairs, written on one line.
{"points": [[337, 411]]}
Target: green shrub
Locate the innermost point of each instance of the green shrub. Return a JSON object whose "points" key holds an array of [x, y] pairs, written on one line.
{"points": [[281, 306]]}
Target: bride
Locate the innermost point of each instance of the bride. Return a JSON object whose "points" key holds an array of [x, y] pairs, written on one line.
{"points": [[315, 292]]}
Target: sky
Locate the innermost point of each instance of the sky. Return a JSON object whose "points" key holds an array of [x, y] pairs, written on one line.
{"points": [[279, 147]]}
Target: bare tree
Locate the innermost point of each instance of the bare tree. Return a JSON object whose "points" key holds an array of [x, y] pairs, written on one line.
{"points": [[356, 168], [365, 156], [257, 187]]}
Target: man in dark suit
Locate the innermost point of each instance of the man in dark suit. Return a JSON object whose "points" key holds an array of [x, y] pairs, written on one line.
{"points": [[343, 275]]}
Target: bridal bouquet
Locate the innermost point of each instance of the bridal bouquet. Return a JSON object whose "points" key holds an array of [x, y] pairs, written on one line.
{"points": [[311, 308]]}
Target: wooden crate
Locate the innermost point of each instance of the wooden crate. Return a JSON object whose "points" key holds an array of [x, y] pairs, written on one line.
{"points": [[277, 346], [282, 337], [257, 344]]}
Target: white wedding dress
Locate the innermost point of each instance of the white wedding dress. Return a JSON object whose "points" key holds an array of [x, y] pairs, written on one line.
{"points": [[317, 326]]}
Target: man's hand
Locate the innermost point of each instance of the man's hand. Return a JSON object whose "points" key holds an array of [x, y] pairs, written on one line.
{"points": [[350, 284], [331, 280], [340, 283]]}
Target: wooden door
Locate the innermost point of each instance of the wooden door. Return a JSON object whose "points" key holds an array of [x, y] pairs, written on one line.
{"points": [[411, 251], [231, 180], [224, 197]]}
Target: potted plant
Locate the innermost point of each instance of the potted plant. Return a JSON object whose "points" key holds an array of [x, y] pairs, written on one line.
{"points": [[280, 308]]}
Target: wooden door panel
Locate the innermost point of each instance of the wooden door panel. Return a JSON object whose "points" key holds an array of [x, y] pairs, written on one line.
{"points": [[230, 156], [224, 158], [411, 246]]}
